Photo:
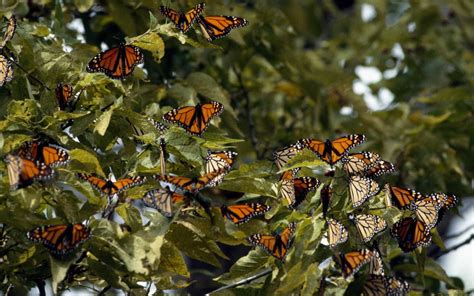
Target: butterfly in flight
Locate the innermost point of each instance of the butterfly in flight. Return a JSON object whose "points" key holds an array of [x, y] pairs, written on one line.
{"points": [[337, 233], [276, 245], [368, 225], [295, 190], [6, 70], [60, 239], [9, 31], [108, 187], [183, 21], [218, 26], [163, 200], [43, 152], [411, 234], [281, 157], [116, 62], [242, 213], [219, 160], [23, 172], [361, 189], [366, 163], [351, 262], [380, 285], [194, 184], [426, 208], [333, 151], [194, 119]]}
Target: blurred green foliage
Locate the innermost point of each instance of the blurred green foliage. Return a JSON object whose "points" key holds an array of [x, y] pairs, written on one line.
{"points": [[289, 74]]}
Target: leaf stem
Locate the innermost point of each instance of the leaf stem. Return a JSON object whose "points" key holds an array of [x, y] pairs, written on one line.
{"points": [[244, 281]]}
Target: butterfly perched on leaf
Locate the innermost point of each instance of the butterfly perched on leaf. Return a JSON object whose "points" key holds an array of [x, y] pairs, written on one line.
{"points": [[351, 262], [282, 156], [6, 70], [444, 202], [194, 119], [333, 151], [426, 208], [23, 172], [376, 262], [242, 213], [337, 233], [194, 184], [65, 98], [60, 239], [411, 234], [380, 285], [368, 225], [183, 21], [116, 62], [276, 245], [294, 190], [219, 160], [361, 189], [44, 152], [108, 187], [366, 163], [163, 200], [9, 31], [218, 26]]}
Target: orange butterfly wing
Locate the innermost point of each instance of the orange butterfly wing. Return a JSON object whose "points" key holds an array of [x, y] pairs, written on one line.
{"points": [[275, 245], [183, 21], [351, 262], [63, 95], [239, 214], [411, 234], [60, 239], [218, 26]]}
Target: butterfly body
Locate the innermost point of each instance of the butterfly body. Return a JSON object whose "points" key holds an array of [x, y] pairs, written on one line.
{"points": [[411, 234], [116, 62], [242, 213], [183, 21], [60, 239], [194, 119]]}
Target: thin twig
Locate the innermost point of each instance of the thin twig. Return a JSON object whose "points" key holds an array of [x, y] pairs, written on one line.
{"points": [[248, 111], [104, 290], [455, 247], [459, 233], [244, 281]]}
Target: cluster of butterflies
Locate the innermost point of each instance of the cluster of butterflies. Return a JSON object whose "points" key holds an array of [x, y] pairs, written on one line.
{"points": [[212, 26], [6, 67]]}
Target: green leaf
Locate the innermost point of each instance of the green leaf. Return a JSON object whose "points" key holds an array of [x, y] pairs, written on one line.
{"points": [[152, 42], [244, 267], [103, 122], [83, 5], [85, 161], [58, 271]]}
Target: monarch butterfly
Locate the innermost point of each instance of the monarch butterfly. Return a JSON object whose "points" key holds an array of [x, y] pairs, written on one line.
{"points": [[218, 26], [295, 190], [64, 97], [337, 233], [425, 207], [379, 285], [162, 200], [183, 21], [326, 194], [333, 151], [281, 157], [116, 62], [411, 234], [351, 262], [194, 184], [43, 152], [366, 163], [239, 214], [368, 225], [6, 70], [276, 245], [361, 188], [22, 172], [9, 32], [107, 187], [376, 263], [194, 119], [219, 160], [60, 239], [444, 202]]}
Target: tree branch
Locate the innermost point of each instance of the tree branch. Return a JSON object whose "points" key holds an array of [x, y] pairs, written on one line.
{"points": [[455, 247], [41, 285], [243, 282], [459, 233]]}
